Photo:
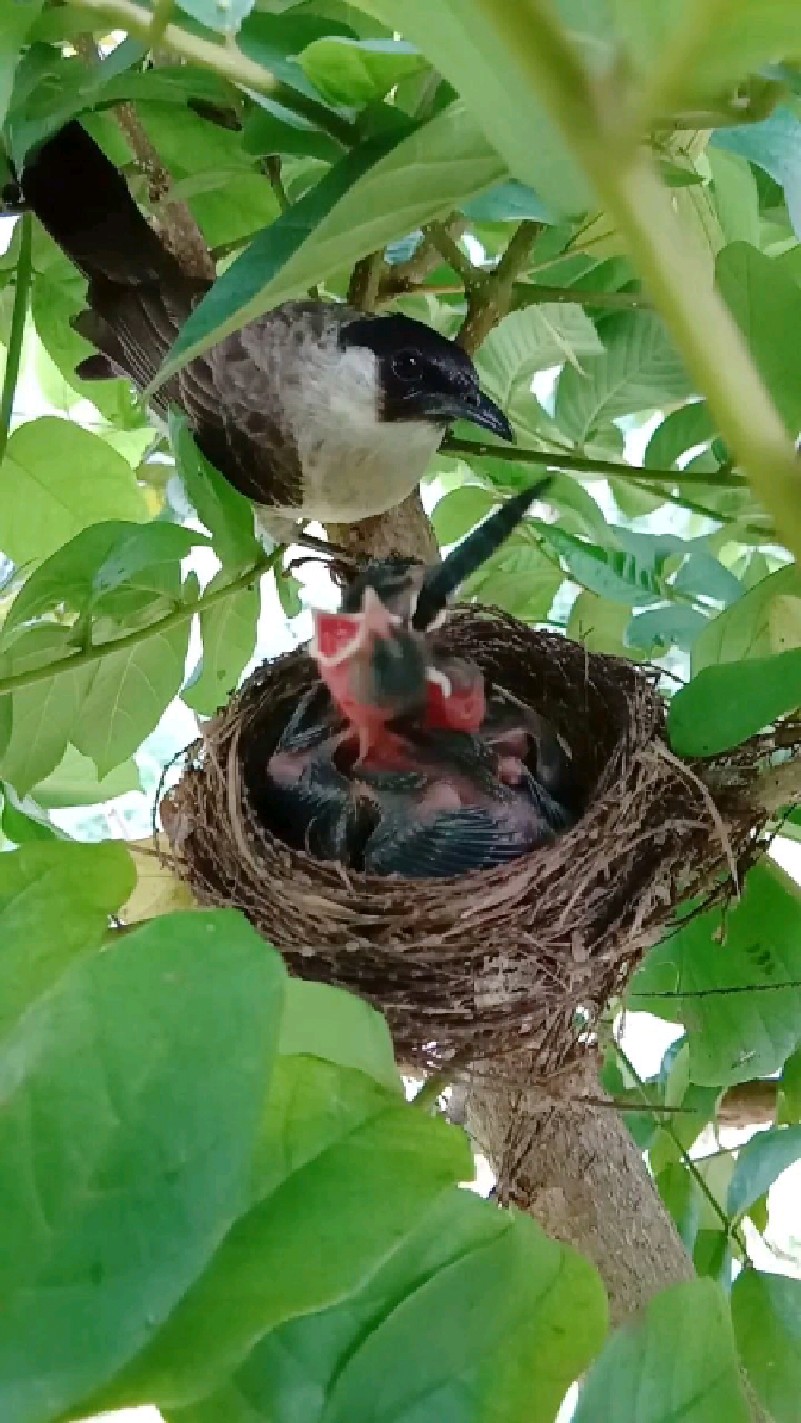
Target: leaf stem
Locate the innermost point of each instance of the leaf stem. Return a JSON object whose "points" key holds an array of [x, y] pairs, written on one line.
{"points": [[22, 286], [667, 255], [178, 615], [225, 59], [551, 459]]}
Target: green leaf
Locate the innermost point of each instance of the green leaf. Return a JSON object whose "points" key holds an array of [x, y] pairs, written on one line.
{"points": [[766, 304], [357, 1195], [519, 579], [639, 370], [457, 39], [599, 624], [288, 589], [723, 705], [57, 479], [227, 514], [507, 202], [415, 1333], [610, 572], [459, 512], [275, 41], [55, 900], [130, 689], [766, 1310], [24, 827], [753, 625], [270, 129], [75, 782], [382, 190], [678, 1363], [356, 72], [140, 556], [789, 1096], [324, 1022], [679, 432], [133, 1093], [531, 340], [716, 43], [760, 1162], [773, 146], [736, 197], [45, 713], [658, 629], [228, 631], [738, 999], [225, 18], [15, 22], [67, 576]]}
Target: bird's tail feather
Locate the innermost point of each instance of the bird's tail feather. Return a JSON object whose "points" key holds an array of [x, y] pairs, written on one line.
{"points": [[138, 295], [443, 579]]}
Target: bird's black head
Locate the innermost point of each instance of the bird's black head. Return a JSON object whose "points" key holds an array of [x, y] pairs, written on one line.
{"points": [[424, 376]]}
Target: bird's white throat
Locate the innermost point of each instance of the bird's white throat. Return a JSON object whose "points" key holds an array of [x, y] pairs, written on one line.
{"points": [[355, 464]]}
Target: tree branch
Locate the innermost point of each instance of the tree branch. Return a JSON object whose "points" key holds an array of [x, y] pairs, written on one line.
{"points": [[406, 276], [450, 251], [182, 614], [534, 293], [489, 299], [779, 787], [175, 220], [556, 459], [365, 281]]}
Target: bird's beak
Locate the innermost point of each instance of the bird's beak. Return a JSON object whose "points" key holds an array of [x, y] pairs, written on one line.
{"points": [[340, 636], [473, 406], [377, 621]]}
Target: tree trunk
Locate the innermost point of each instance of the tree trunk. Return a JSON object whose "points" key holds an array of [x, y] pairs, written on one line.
{"points": [[576, 1169]]}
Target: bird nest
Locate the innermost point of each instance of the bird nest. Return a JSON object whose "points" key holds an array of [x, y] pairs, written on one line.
{"points": [[469, 970]]}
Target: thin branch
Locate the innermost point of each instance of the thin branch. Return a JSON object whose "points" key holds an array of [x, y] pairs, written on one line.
{"points": [[450, 252], [555, 459], [162, 14], [271, 166], [730, 1229], [532, 293], [224, 58], [406, 276], [489, 301], [365, 281], [22, 285], [182, 614], [175, 219]]}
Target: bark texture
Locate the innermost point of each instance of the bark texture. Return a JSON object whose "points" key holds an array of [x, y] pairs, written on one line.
{"points": [[576, 1169]]}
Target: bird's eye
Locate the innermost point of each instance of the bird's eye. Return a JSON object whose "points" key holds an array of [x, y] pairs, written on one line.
{"points": [[405, 365]]}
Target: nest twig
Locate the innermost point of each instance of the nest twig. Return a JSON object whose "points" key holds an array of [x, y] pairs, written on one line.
{"points": [[523, 956]]}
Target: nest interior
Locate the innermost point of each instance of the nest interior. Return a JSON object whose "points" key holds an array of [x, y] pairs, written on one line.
{"points": [[519, 957]]}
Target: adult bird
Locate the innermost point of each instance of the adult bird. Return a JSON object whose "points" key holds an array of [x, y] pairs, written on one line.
{"points": [[313, 410]]}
